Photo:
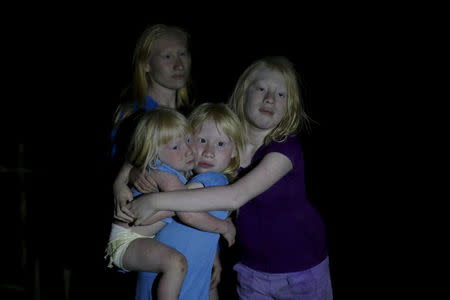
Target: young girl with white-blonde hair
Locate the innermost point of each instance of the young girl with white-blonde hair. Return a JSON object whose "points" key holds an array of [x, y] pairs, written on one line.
{"points": [[160, 144], [282, 237], [218, 141]]}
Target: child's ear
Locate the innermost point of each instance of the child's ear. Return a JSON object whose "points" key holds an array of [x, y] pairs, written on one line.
{"points": [[147, 67], [234, 153]]}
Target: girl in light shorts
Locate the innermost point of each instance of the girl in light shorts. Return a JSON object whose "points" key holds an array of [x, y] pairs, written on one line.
{"points": [[161, 145]]}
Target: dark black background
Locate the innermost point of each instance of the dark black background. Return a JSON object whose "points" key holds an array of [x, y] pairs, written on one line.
{"points": [[68, 67]]}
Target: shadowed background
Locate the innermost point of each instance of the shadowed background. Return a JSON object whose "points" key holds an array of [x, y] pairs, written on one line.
{"points": [[55, 169]]}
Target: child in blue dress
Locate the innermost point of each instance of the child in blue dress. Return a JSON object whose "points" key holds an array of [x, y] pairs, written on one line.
{"points": [[160, 144], [218, 143]]}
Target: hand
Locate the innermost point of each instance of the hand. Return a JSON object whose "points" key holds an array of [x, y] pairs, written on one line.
{"points": [[142, 181], [141, 208], [122, 196], [216, 270], [230, 234]]}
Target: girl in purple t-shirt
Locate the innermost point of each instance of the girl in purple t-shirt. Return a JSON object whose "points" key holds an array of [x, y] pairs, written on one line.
{"points": [[282, 236]]}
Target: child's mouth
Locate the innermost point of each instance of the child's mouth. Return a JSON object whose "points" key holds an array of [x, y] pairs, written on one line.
{"points": [[205, 165]]}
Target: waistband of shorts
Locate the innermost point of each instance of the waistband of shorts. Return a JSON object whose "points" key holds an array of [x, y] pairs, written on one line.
{"points": [[317, 269]]}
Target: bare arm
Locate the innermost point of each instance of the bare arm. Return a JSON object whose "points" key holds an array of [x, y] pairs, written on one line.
{"points": [[122, 195], [142, 181], [271, 169], [217, 269], [200, 220], [158, 216], [207, 222]]}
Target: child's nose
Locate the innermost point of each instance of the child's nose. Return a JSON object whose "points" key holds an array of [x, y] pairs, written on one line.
{"points": [[269, 97], [208, 151], [178, 64]]}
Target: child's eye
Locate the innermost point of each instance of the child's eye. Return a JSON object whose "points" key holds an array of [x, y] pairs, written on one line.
{"points": [[175, 147], [281, 95], [188, 140], [202, 140], [221, 144]]}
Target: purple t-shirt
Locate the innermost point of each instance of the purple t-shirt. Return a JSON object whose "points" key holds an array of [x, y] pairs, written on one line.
{"points": [[280, 231]]}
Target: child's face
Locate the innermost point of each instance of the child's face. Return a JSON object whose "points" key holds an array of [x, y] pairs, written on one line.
{"points": [[170, 64], [213, 148], [266, 99], [178, 154]]}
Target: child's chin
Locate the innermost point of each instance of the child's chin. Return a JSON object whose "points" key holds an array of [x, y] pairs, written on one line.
{"points": [[200, 170]]}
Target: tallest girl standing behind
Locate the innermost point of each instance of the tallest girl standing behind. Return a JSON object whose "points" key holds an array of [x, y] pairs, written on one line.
{"points": [[281, 235], [160, 77]]}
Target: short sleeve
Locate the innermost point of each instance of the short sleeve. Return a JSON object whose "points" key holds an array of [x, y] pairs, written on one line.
{"points": [[291, 148], [210, 179], [168, 169]]}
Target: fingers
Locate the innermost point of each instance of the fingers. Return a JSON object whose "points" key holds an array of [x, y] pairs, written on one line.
{"points": [[230, 238], [124, 209], [145, 183], [122, 213], [139, 186], [138, 222], [215, 279], [214, 283], [149, 182], [143, 186], [119, 215]]}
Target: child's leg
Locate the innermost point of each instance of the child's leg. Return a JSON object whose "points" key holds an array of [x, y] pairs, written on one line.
{"points": [[150, 255]]}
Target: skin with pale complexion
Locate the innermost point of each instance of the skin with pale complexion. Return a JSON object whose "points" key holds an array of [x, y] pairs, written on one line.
{"points": [[265, 106], [178, 154], [181, 154], [214, 149], [265, 103], [151, 255], [168, 68]]}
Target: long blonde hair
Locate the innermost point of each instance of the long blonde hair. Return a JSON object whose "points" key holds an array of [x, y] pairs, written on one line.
{"points": [[227, 121], [154, 129], [295, 117], [134, 96]]}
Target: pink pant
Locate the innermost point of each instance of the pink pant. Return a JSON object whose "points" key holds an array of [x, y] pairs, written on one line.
{"points": [[311, 284]]}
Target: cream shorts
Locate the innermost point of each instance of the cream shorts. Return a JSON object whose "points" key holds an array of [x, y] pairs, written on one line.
{"points": [[119, 240]]}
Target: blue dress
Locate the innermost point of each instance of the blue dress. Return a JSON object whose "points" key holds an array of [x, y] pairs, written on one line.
{"points": [[198, 247], [168, 169]]}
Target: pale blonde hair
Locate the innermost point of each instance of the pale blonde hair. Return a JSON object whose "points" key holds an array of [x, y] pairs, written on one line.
{"points": [[295, 117], [155, 129], [227, 121], [134, 96]]}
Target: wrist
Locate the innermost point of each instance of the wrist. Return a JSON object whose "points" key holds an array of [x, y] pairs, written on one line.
{"points": [[226, 228]]}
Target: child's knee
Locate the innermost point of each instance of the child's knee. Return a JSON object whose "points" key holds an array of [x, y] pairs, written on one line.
{"points": [[178, 262]]}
